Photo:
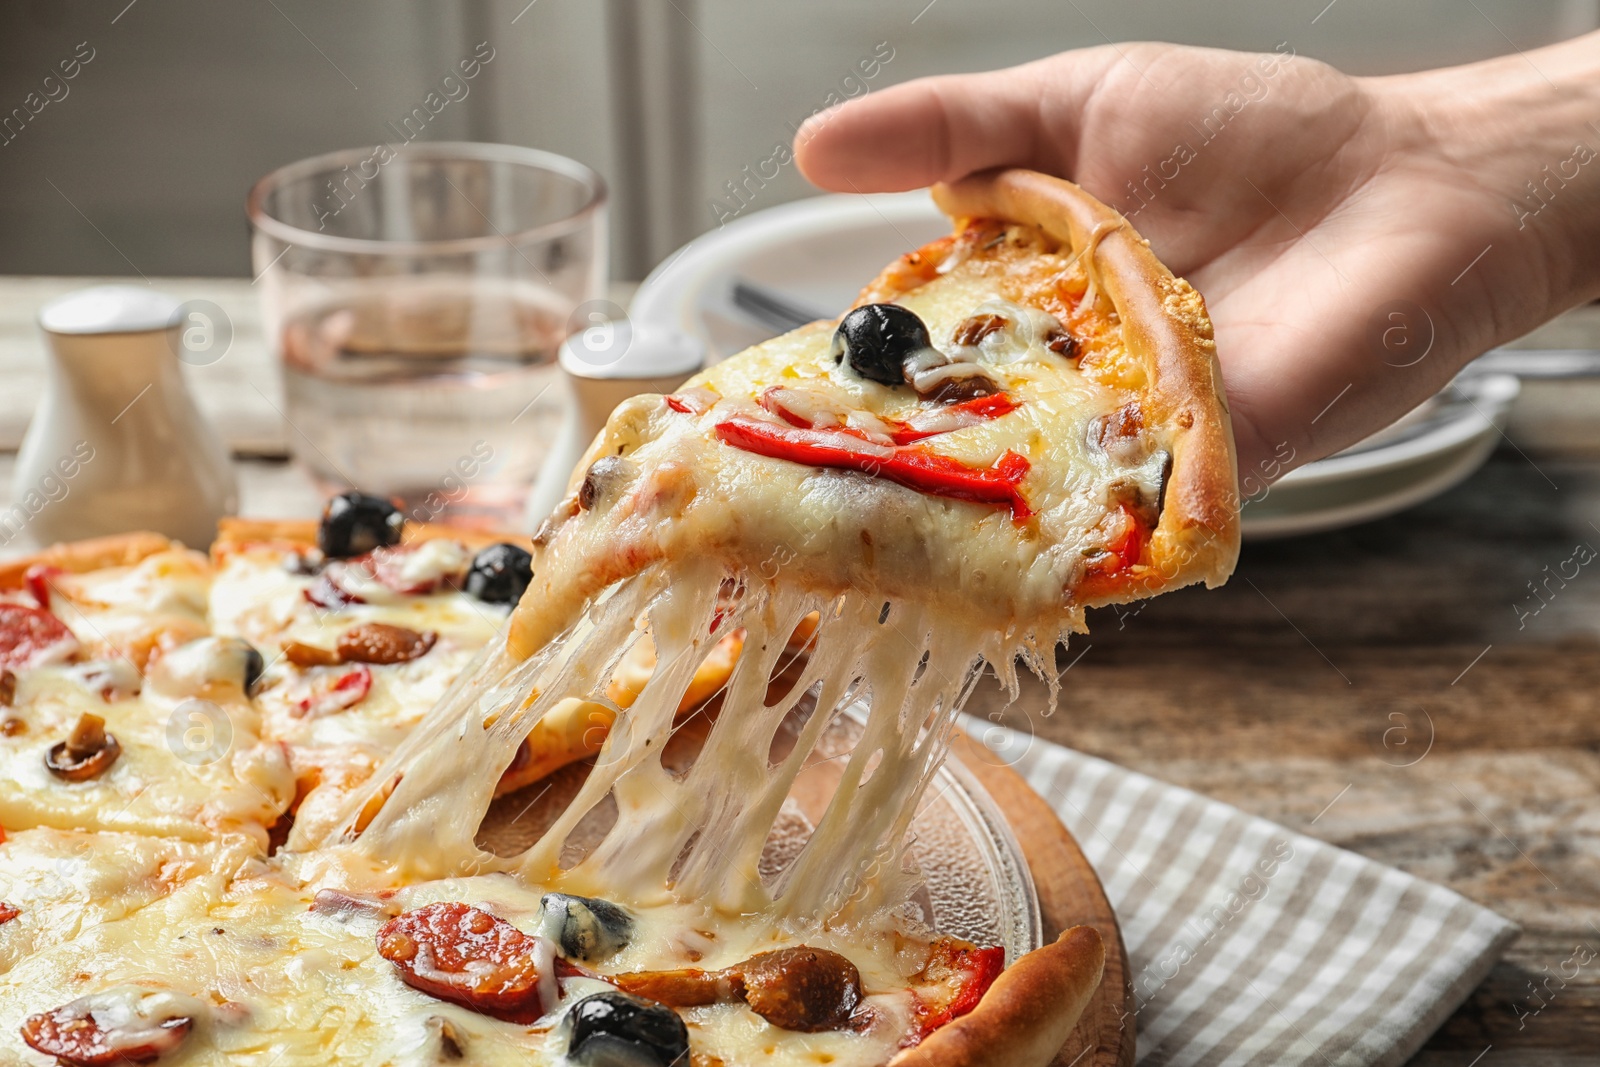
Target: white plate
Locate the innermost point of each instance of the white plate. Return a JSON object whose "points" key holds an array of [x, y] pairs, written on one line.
{"points": [[820, 252], [1416, 459]]}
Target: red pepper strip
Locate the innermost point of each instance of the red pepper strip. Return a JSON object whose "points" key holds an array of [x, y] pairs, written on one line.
{"points": [[1109, 572], [907, 465], [954, 416], [968, 413], [676, 404], [769, 400], [1130, 545], [973, 972], [37, 579]]}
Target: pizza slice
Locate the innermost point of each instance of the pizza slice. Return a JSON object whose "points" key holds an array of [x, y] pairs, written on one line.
{"points": [[117, 712], [125, 598], [1018, 421], [174, 753], [366, 620]]}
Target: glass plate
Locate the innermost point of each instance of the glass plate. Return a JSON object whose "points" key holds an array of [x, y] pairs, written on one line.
{"points": [[976, 883]]}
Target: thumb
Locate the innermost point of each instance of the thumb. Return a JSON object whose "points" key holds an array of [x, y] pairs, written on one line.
{"points": [[938, 129]]}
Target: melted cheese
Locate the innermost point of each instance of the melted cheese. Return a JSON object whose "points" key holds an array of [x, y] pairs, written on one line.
{"points": [[63, 882], [138, 611]]}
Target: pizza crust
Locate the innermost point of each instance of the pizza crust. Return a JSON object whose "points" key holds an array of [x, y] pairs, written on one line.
{"points": [[1164, 323], [1027, 1015], [77, 557], [236, 535]]}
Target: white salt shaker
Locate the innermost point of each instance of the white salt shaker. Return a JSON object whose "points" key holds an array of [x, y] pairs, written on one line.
{"points": [[605, 365], [117, 443]]}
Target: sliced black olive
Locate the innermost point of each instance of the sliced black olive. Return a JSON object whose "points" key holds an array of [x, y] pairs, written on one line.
{"points": [[1161, 493], [354, 524], [308, 563], [603, 475], [971, 331], [586, 928], [448, 1042], [500, 573], [968, 387], [87, 753], [618, 1030], [1062, 344], [253, 666], [875, 341]]}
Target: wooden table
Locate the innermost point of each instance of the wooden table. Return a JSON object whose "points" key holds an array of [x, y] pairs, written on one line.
{"points": [[1384, 688]]}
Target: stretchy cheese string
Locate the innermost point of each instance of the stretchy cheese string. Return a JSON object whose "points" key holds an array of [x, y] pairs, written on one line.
{"points": [[699, 835]]}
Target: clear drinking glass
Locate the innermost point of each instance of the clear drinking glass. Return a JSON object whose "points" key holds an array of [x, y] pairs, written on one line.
{"points": [[416, 299]]}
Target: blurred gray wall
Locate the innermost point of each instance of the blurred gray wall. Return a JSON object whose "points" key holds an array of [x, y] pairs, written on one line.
{"points": [[139, 163]]}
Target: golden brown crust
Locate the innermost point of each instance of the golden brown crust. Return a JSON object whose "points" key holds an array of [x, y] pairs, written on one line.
{"points": [[1164, 323], [236, 535], [1026, 1016], [570, 731], [79, 557]]}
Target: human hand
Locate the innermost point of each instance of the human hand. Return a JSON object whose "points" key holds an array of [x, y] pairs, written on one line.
{"points": [[1357, 240]]}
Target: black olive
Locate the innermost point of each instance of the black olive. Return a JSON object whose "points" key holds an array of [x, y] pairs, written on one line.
{"points": [[603, 475], [589, 929], [253, 666], [500, 573], [618, 1030], [875, 341], [354, 524]]}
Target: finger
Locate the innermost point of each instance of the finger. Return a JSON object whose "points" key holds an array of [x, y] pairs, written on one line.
{"points": [[939, 129]]}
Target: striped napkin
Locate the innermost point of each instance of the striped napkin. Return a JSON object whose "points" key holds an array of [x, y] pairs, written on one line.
{"points": [[1249, 943]]}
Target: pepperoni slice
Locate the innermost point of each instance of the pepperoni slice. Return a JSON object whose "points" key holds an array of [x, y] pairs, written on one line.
{"points": [[30, 635], [329, 594], [80, 1033], [389, 566], [465, 955]]}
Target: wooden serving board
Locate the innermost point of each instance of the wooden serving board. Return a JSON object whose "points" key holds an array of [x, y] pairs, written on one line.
{"points": [[1070, 894]]}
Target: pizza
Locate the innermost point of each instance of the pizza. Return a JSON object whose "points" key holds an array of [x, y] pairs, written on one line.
{"points": [[1035, 399], [249, 797]]}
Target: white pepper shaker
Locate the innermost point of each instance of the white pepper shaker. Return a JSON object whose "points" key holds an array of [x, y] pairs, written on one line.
{"points": [[117, 443]]}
